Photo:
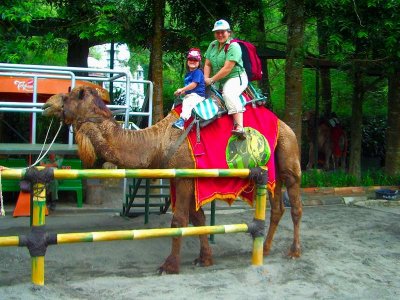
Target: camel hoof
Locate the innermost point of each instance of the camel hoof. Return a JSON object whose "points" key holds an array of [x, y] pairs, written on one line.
{"points": [[170, 266], [164, 271], [294, 252], [161, 271], [203, 262]]}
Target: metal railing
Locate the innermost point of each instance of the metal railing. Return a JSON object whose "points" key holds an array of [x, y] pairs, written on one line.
{"points": [[71, 74]]}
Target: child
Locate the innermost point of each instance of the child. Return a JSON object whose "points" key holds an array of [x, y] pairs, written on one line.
{"points": [[194, 89], [52, 161]]}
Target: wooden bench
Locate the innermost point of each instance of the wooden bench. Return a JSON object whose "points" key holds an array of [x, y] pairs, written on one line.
{"points": [[12, 185], [74, 185]]}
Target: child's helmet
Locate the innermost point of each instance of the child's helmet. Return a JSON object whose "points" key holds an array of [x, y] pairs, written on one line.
{"points": [[194, 53]]}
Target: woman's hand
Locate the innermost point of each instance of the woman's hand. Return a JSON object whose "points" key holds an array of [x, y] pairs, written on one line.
{"points": [[208, 81]]}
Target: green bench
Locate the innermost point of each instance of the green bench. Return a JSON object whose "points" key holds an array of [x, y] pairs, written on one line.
{"points": [[74, 185], [12, 185]]}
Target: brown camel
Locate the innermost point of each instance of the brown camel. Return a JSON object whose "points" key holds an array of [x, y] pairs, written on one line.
{"points": [[99, 136], [331, 141]]}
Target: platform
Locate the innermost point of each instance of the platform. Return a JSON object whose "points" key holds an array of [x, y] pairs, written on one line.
{"points": [[26, 149]]}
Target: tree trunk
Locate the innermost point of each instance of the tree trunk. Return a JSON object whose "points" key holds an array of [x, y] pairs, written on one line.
{"points": [[294, 66], [156, 61], [78, 52], [326, 95], [392, 159], [356, 125], [264, 83]]}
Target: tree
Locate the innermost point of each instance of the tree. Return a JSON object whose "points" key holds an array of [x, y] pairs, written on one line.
{"points": [[156, 58], [392, 166], [294, 65], [325, 73]]}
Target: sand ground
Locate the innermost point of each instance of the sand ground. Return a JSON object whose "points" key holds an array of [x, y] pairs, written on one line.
{"points": [[349, 252]]}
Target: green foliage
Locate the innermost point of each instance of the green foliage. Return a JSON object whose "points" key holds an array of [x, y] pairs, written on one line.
{"points": [[373, 137], [173, 74], [318, 178], [16, 16]]}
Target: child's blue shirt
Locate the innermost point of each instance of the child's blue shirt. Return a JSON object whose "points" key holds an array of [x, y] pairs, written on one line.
{"points": [[198, 77]]}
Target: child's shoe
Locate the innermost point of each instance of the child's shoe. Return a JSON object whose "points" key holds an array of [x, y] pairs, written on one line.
{"points": [[179, 124]]}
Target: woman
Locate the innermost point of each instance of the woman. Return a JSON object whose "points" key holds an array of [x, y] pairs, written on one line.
{"points": [[224, 62]]}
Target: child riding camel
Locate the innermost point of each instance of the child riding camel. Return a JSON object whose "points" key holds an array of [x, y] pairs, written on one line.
{"points": [[194, 88]]}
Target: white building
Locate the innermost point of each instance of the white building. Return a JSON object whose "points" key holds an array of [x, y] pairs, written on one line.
{"points": [[100, 58]]}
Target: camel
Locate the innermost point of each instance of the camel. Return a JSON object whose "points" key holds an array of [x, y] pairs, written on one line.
{"points": [[98, 135], [331, 141]]}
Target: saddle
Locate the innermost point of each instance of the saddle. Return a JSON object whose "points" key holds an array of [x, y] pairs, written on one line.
{"points": [[209, 110], [214, 106]]}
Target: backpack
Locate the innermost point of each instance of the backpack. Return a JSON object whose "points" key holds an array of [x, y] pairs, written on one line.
{"points": [[251, 61]]}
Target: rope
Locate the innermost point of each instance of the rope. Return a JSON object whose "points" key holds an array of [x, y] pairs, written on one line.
{"points": [[205, 8], [2, 211], [40, 157]]}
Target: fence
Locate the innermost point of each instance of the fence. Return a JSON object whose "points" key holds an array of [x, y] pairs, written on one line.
{"points": [[38, 240]]}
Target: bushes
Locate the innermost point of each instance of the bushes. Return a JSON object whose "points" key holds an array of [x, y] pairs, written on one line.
{"points": [[318, 178], [373, 137]]}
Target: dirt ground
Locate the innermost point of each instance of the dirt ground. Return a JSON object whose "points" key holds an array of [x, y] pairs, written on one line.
{"points": [[349, 252]]}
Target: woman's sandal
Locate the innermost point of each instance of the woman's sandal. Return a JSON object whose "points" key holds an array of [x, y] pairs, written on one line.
{"points": [[239, 131]]}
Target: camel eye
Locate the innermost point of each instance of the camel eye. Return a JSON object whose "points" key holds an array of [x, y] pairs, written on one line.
{"points": [[81, 94]]}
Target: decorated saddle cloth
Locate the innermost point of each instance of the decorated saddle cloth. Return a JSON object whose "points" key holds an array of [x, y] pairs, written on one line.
{"points": [[222, 150]]}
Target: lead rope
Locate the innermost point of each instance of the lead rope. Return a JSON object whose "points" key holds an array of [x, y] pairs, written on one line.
{"points": [[40, 157], [2, 211], [197, 131]]}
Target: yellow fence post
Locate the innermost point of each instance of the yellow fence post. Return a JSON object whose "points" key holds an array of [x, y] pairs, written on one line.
{"points": [[39, 216], [259, 216]]}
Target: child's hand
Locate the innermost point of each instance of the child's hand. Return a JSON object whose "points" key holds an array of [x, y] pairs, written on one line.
{"points": [[178, 92]]}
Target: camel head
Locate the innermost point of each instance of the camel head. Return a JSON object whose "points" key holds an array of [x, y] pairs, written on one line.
{"points": [[81, 104]]}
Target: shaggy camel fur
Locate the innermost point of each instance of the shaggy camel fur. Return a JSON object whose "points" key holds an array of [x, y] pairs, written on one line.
{"points": [[99, 136]]}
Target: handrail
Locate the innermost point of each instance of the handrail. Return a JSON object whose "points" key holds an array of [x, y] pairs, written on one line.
{"points": [[61, 72]]}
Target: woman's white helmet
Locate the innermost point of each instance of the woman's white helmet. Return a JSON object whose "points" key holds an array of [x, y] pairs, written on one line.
{"points": [[221, 25]]}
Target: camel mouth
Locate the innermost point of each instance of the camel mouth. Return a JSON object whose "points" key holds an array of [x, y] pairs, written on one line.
{"points": [[46, 109], [50, 111]]}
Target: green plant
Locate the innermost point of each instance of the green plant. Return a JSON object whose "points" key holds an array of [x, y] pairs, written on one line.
{"points": [[318, 178]]}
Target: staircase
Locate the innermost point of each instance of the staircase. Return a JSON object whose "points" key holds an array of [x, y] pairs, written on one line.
{"points": [[144, 195]]}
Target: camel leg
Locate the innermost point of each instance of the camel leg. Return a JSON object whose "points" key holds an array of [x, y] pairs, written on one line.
{"points": [[197, 218], [343, 162], [328, 155], [288, 172], [277, 210], [185, 194], [293, 188], [310, 163]]}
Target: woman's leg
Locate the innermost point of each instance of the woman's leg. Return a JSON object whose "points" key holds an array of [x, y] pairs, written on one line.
{"points": [[231, 92]]}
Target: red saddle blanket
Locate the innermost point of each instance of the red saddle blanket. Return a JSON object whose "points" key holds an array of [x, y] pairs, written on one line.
{"points": [[214, 139]]}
